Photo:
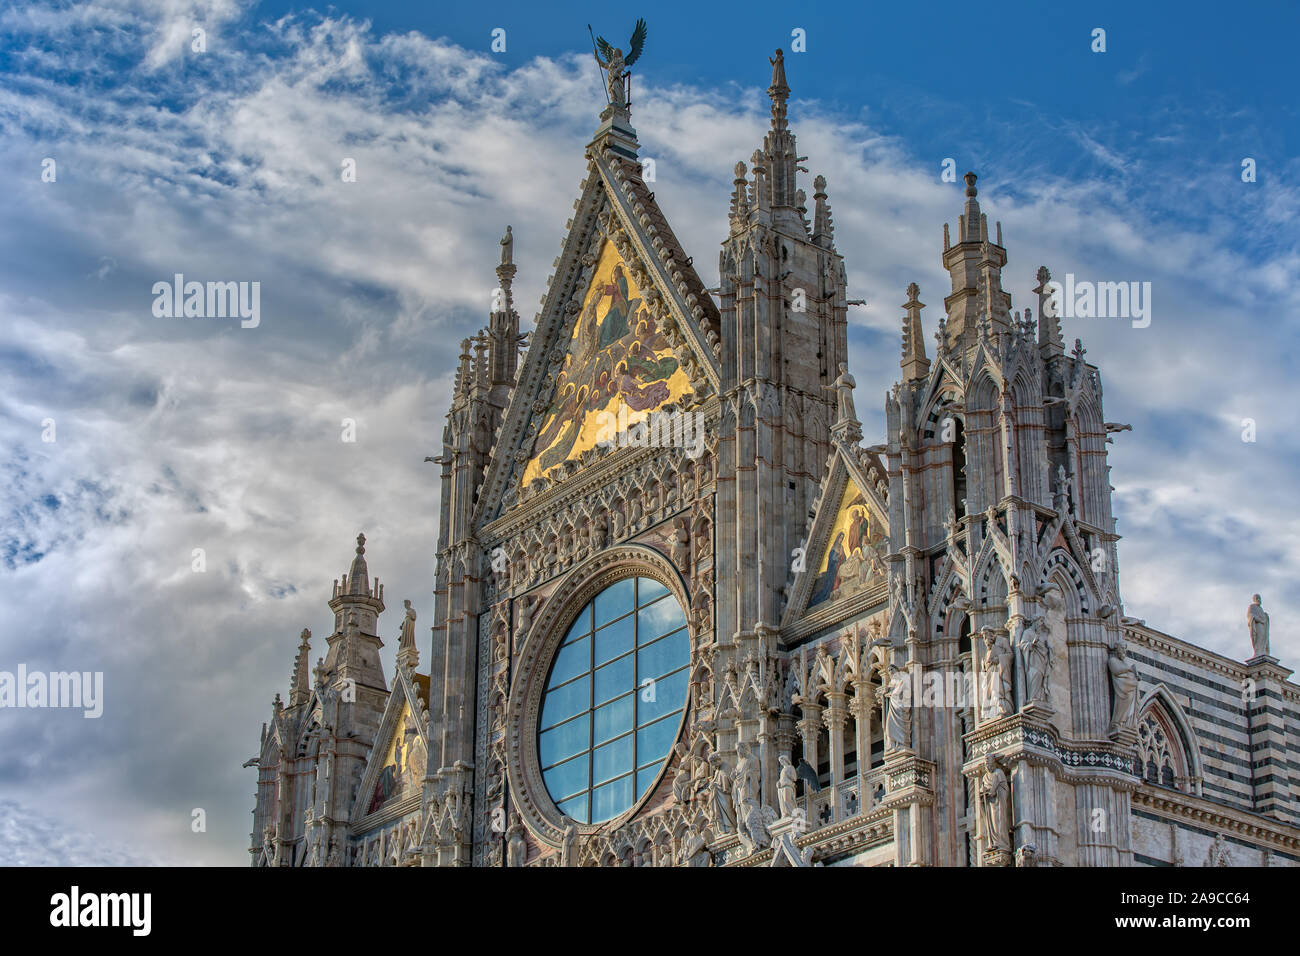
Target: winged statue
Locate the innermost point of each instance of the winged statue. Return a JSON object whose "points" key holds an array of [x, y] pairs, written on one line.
{"points": [[614, 62]]}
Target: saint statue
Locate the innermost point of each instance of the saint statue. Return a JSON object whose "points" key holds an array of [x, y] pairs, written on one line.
{"points": [[995, 806], [1124, 681], [1257, 621], [843, 387], [785, 787]]}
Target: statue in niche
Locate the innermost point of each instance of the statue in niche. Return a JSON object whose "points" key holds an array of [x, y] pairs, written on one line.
{"points": [[721, 810], [995, 806], [746, 775], [1257, 621], [517, 849], [997, 673], [680, 543], [898, 724], [1124, 682], [785, 786]]}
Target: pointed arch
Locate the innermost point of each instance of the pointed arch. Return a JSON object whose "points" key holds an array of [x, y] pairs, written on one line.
{"points": [[1168, 752]]}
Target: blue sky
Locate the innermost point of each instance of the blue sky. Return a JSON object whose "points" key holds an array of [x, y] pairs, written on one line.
{"points": [[174, 435]]}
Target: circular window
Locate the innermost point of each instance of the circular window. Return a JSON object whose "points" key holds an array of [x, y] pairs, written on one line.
{"points": [[614, 700]]}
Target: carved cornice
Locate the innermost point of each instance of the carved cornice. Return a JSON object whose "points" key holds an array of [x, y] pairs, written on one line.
{"points": [[1177, 806], [1018, 737]]}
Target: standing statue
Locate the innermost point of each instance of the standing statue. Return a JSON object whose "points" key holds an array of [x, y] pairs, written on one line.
{"points": [[724, 816], [843, 388], [1124, 681], [508, 248], [746, 777], [516, 848], [995, 806], [612, 60], [785, 787], [1257, 622], [569, 844], [997, 673], [1035, 651], [407, 635], [898, 724]]}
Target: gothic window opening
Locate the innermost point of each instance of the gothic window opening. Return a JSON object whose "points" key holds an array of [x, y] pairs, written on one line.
{"points": [[614, 699], [1161, 751]]}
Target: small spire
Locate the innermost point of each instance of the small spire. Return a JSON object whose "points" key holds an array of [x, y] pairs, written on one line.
{"points": [[359, 576], [823, 225], [970, 220], [740, 199], [299, 689], [1050, 339], [915, 363]]}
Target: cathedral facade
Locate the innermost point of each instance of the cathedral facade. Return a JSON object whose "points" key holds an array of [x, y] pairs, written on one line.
{"points": [[684, 615]]}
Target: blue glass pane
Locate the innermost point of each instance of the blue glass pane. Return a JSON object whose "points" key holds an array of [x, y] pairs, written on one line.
{"points": [[648, 589], [575, 808], [615, 600], [669, 694], [565, 740], [572, 660], [658, 619], [663, 656], [613, 719], [566, 701], [614, 679], [568, 777], [611, 799], [612, 760], [644, 778], [613, 641], [654, 742], [580, 626]]}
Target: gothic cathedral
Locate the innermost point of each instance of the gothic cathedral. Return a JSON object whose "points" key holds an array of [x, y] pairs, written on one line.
{"points": [[684, 616]]}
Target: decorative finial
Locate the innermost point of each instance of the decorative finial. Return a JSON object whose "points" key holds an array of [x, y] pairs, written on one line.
{"points": [[361, 544], [971, 191]]}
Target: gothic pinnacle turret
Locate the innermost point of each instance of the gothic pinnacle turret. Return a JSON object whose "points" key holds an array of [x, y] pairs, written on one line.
{"points": [[915, 363], [974, 264], [299, 687]]}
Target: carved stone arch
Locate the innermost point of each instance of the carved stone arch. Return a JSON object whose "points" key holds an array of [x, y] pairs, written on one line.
{"points": [[1090, 478], [942, 621], [990, 588], [1160, 713], [933, 413], [550, 622], [1077, 598]]}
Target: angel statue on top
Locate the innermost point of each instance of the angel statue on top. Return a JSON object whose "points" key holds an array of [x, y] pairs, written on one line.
{"points": [[614, 62]]}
